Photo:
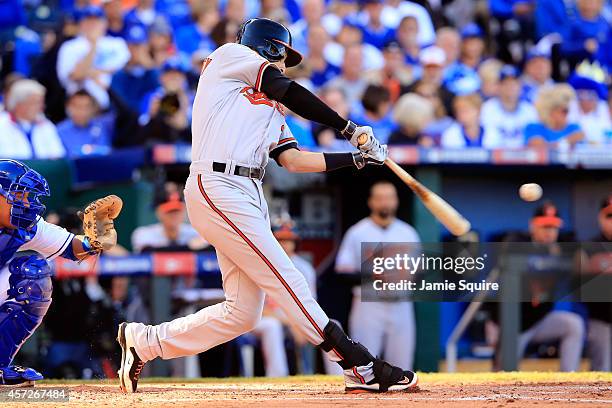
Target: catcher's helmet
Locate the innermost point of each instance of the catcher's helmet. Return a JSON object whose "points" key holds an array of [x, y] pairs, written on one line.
{"points": [[23, 187], [269, 39]]}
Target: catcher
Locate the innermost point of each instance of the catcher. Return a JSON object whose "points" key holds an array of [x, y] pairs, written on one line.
{"points": [[27, 243]]}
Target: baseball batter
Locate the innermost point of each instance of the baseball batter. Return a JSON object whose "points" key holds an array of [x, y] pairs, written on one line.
{"points": [[238, 123]]}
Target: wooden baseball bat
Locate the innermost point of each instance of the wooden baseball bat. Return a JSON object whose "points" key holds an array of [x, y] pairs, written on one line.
{"points": [[444, 212]]}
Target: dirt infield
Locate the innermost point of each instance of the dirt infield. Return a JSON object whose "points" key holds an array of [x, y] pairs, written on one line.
{"points": [[448, 390]]}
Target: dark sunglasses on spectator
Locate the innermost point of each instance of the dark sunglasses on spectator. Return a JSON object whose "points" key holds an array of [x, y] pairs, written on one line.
{"points": [[608, 216]]}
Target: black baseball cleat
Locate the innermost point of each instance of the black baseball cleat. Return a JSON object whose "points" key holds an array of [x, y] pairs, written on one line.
{"points": [[131, 364], [379, 376]]}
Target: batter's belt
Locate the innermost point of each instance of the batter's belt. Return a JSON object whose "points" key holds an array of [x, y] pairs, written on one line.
{"points": [[229, 168]]}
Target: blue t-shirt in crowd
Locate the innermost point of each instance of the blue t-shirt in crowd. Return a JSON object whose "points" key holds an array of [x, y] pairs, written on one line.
{"points": [[95, 138], [133, 84], [504, 8], [378, 38], [189, 39], [579, 30], [12, 14], [319, 78], [534, 130], [551, 16]]}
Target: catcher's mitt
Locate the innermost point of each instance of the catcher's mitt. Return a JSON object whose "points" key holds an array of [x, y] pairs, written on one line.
{"points": [[98, 225]]}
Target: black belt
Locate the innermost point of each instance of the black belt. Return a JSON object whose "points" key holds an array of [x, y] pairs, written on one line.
{"points": [[250, 172]]}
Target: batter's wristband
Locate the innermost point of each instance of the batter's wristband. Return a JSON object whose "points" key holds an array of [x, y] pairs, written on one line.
{"points": [[334, 161], [349, 131]]}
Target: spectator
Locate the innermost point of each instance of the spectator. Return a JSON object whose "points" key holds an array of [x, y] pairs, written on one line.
{"points": [[407, 37], [138, 78], [374, 32], [196, 36], [160, 42], [540, 321], [437, 97], [488, 73], [461, 77], [395, 10], [507, 112], [585, 32], [86, 132], [89, 60], [144, 14], [275, 10], [590, 111], [235, 11], [350, 35], [171, 232], [351, 79], [449, 40], [320, 69], [383, 327], [413, 114], [536, 74], [173, 81], [26, 132], [339, 12], [224, 32], [599, 335], [467, 131], [552, 16], [329, 138], [376, 102], [432, 61], [113, 12], [554, 129], [7, 83], [395, 76], [513, 25], [312, 11]]}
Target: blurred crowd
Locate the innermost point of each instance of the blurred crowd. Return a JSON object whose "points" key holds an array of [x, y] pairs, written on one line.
{"points": [[83, 77]]}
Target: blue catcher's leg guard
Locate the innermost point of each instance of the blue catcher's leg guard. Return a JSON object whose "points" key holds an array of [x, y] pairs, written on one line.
{"points": [[28, 302]]}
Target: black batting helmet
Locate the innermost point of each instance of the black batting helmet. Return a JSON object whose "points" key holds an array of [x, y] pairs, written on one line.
{"points": [[269, 39]]}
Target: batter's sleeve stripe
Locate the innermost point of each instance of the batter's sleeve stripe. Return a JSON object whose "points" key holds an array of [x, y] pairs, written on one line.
{"points": [[285, 140], [63, 247], [260, 74], [263, 258]]}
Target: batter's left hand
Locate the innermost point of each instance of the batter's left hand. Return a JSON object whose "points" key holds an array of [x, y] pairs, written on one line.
{"points": [[374, 150]]}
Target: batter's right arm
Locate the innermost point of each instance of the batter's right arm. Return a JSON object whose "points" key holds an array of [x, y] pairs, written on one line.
{"points": [[303, 102]]}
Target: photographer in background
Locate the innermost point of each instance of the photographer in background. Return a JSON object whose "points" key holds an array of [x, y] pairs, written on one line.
{"points": [[169, 108]]}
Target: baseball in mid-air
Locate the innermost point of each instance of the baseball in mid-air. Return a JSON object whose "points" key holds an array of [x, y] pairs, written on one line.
{"points": [[530, 192]]}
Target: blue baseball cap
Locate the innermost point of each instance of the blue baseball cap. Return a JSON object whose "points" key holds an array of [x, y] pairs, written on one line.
{"points": [[472, 30], [136, 34], [536, 53], [88, 12], [508, 71], [174, 64], [581, 83]]}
